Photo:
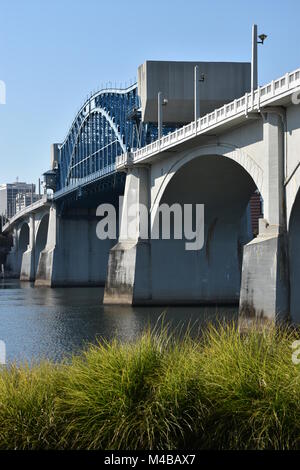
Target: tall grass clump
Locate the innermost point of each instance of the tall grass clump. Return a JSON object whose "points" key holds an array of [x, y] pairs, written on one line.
{"points": [[252, 389], [139, 395], [27, 396], [221, 390]]}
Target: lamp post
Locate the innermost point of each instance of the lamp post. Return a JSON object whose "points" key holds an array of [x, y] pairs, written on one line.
{"points": [[197, 81], [160, 103], [254, 72]]}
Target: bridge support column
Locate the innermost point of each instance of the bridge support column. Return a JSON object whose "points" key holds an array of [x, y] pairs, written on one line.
{"points": [[265, 279], [45, 271], [28, 259], [73, 255], [129, 266]]}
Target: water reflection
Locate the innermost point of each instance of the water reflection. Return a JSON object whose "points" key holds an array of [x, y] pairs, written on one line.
{"points": [[38, 323]]}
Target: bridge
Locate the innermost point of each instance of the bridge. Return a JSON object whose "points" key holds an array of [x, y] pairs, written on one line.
{"points": [[235, 147]]}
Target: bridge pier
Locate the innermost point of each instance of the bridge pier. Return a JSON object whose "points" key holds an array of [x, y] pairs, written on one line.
{"points": [[129, 266], [265, 273], [15, 256], [264, 288], [28, 258], [73, 255], [44, 274]]}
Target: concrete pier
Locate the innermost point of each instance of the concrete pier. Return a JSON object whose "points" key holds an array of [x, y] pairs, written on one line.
{"points": [[73, 255], [129, 265], [265, 279], [28, 258]]}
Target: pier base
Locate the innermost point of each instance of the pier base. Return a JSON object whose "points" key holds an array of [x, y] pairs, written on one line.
{"points": [[265, 281]]}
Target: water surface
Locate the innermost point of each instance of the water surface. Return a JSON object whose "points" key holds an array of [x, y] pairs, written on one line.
{"points": [[39, 323]]}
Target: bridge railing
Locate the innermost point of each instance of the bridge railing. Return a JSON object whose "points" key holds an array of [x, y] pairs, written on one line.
{"points": [[31, 208], [247, 103], [77, 183]]}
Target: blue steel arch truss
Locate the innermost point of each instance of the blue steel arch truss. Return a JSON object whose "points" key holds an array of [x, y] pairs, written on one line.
{"points": [[107, 125], [101, 131]]}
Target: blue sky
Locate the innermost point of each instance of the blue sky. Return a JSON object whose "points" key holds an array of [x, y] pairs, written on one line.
{"points": [[54, 52]]}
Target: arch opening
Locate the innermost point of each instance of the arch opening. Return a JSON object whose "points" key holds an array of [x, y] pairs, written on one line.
{"points": [[213, 273], [24, 238]]}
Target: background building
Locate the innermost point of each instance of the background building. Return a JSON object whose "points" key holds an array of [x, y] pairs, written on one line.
{"points": [[25, 199], [12, 194]]}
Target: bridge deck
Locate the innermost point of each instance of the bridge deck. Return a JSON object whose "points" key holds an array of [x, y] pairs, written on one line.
{"points": [[44, 201], [239, 109]]}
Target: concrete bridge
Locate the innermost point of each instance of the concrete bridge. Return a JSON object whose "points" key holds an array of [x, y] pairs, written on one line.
{"points": [[249, 143], [55, 243], [29, 228]]}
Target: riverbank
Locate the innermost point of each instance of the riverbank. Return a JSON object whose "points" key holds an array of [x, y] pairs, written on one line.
{"points": [[223, 391]]}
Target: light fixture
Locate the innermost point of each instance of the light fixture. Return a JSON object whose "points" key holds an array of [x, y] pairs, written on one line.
{"points": [[262, 38]]}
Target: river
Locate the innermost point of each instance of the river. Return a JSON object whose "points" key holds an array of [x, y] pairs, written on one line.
{"points": [[43, 323]]}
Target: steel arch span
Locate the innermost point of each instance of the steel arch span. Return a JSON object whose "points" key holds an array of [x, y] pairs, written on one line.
{"points": [[101, 130], [107, 125]]}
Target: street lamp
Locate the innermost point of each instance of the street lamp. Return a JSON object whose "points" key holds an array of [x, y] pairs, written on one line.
{"points": [[262, 38], [160, 103], [197, 81], [254, 73]]}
